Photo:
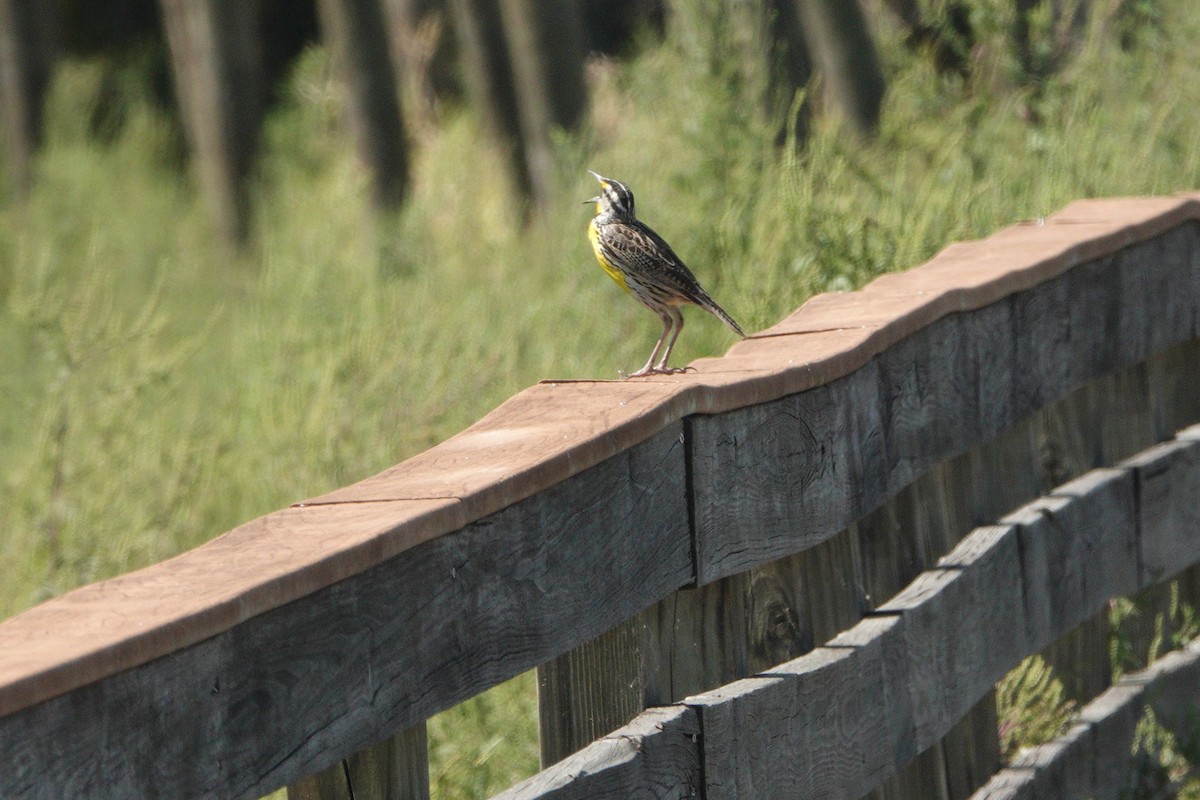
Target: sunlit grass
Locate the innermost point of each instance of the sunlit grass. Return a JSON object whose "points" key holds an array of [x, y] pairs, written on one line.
{"points": [[158, 391]]}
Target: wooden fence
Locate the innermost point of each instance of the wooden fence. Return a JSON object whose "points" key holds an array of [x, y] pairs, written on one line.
{"points": [[931, 478]]}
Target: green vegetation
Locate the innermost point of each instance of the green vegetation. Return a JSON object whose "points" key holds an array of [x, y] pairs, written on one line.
{"points": [[159, 391], [1032, 707]]}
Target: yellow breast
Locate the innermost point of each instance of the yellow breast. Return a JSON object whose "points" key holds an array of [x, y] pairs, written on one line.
{"points": [[613, 272]]}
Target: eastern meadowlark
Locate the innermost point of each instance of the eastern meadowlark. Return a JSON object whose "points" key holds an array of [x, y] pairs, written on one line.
{"points": [[644, 265]]}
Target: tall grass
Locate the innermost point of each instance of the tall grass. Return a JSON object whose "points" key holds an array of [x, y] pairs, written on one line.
{"points": [[158, 391]]}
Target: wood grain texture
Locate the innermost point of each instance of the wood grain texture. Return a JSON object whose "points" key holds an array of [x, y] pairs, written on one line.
{"points": [[963, 626], [1168, 483], [776, 478], [590, 691], [293, 690], [107, 627], [654, 757], [396, 768], [823, 427], [806, 729], [554, 431], [1078, 550]]}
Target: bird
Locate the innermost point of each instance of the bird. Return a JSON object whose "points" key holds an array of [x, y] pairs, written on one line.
{"points": [[644, 265]]}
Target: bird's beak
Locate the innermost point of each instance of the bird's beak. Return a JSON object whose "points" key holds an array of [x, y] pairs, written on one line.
{"points": [[602, 180]]}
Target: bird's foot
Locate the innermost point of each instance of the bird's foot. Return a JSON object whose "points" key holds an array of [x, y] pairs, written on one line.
{"points": [[645, 371]]}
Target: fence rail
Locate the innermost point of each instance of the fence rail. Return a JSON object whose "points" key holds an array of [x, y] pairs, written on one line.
{"points": [[577, 509], [837, 721]]}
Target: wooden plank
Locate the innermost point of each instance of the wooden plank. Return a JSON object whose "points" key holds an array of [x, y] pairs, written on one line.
{"points": [[964, 629], [1168, 482], [1158, 302], [776, 478], [1078, 550], [696, 640], [1173, 691], [1059, 769], [886, 633], [809, 728], [1175, 401], [930, 397], [1113, 715], [656, 755], [971, 749], [396, 768], [294, 689], [591, 691], [115, 625], [794, 459]]}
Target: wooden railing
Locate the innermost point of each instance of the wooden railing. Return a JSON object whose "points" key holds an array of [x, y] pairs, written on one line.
{"points": [[929, 477]]}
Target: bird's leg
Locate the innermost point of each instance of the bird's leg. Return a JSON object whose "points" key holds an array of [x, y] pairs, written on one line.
{"points": [[668, 323], [661, 366]]}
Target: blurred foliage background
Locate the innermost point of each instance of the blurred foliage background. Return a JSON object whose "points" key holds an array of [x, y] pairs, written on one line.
{"points": [[167, 376]]}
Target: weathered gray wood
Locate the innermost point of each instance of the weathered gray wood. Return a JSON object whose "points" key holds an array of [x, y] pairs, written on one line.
{"points": [[590, 691], [930, 396], [1172, 380], [1150, 278], [885, 632], [971, 749], [396, 768], [964, 628], [809, 728], [1060, 769], [1168, 483], [697, 640], [1081, 658], [655, 756], [293, 690], [774, 479], [1113, 715], [1076, 555]]}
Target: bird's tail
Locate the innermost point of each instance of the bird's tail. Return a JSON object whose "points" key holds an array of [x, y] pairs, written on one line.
{"points": [[711, 307]]}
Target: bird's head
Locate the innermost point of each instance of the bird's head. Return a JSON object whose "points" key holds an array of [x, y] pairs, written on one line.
{"points": [[615, 199]]}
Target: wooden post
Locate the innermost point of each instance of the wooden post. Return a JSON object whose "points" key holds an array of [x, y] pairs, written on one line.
{"points": [[358, 36], [396, 768], [27, 49], [218, 79]]}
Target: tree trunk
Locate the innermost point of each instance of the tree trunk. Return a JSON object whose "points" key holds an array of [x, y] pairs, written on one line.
{"points": [[358, 36], [486, 67], [218, 79], [28, 42], [841, 45]]}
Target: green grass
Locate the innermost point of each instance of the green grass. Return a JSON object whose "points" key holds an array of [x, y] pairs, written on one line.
{"points": [[159, 391]]}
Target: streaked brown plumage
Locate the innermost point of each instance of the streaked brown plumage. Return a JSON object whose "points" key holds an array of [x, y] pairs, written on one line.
{"points": [[642, 263]]}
